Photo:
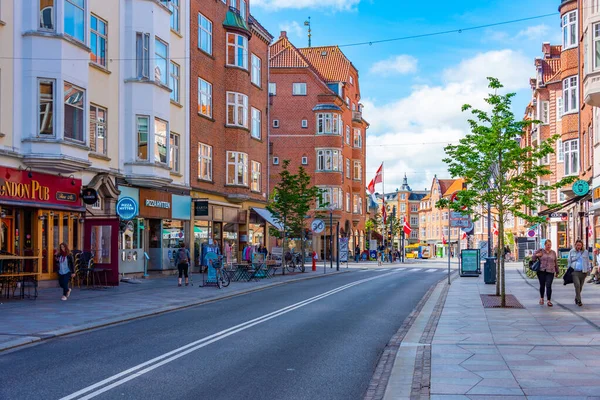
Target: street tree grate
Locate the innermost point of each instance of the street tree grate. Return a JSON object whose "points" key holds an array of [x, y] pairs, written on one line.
{"points": [[493, 301]]}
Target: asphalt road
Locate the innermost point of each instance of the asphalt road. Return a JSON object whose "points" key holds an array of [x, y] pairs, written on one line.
{"points": [[315, 339]]}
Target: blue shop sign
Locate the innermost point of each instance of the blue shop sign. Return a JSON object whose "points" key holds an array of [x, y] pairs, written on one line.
{"points": [[127, 208]]}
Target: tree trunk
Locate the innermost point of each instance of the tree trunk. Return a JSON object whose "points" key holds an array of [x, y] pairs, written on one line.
{"points": [[501, 258], [497, 264], [283, 246]]}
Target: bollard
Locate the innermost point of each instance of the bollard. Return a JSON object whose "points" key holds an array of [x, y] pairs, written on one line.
{"points": [[314, 261]]}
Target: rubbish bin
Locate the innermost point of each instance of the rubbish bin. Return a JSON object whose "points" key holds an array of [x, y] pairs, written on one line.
{"points": [[489, 270]]}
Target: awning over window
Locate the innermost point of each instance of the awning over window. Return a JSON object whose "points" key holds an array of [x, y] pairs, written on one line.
{"points": [[563, 205], [267, 216]]}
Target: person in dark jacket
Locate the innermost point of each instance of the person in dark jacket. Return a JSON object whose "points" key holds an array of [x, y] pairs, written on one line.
{"points": [[66, 269], [182, 260]]}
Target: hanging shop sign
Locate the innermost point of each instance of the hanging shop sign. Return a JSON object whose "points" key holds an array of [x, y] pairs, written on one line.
{"points": [[127, 208], [89, 196], [581, 187], [200, 208]]}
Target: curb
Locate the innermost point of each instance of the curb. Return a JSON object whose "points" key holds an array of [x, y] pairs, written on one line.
{"points": [[27, 340]]}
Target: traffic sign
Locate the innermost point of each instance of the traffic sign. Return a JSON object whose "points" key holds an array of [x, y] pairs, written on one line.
{"points": [[317, 226], [531, 233], [581, 187]]}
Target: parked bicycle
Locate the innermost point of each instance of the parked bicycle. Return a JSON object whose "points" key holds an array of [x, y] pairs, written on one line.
{"points": [[221, 275], [293, 262]]}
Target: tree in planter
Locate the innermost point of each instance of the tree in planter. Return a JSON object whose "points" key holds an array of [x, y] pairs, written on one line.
{"points": [[499, 170]]}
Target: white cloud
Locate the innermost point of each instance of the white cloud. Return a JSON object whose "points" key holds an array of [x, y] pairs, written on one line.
{"points": [[432, 114], [338, 5], [293, 28], [402, 64], [537, 32]]}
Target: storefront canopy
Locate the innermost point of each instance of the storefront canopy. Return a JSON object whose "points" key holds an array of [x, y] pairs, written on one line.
{"points": [[267, 216], [563, 205]]}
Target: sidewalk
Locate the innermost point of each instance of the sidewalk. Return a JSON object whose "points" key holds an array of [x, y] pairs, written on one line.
{"points": [[27, 321], [481, 353]]}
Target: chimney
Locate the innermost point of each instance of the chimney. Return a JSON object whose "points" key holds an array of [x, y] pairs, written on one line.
{"points": [[283, 35], [546, 49]]}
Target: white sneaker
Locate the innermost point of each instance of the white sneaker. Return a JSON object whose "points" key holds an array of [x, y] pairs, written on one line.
{"points": [[63, 298], [68, 293]]}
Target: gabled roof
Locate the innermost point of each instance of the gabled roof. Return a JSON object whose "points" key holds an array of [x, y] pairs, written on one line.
{"points": [[550, 68], [285, 55], [445, 185], [456, 185], [330, 61]]}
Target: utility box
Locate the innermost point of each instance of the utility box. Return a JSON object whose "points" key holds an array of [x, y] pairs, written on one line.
{"points": [[489, 270]]}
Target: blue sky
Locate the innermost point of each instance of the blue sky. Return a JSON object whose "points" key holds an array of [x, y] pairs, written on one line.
{"points": [[413, 89]]}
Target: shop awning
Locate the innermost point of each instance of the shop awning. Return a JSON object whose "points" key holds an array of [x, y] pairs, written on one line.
{"points": [[267, 216], [562, 205]]}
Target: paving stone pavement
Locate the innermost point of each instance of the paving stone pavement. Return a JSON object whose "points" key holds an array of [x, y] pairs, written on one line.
{"points": [[26, 321], [538, 352]]}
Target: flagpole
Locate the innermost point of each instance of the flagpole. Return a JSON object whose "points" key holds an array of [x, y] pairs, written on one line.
{"points": [[383, 231]]}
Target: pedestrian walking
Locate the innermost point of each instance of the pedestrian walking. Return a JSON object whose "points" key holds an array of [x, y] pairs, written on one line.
{"points": [[356, 253], [548, 270], [66, 269], [182, 260], [379, 257], [579, 260]]}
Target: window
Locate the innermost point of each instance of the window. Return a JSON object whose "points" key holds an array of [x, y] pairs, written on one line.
{"points": [[357, 204], [571, 157], [237, 109], [73, 113], [570, 95], [46, 107], [329, 160], [275, 160], [204, 162], [98, 129], [347, 134], [403, 196], [299, 89], [243, 9], [237, 168], [351, 80], [403, 207], [547, 193], [143, 55], [304, 160], [357, 138], [304, 123], [47, 15], [237, 50], [353, 107], [560, 196], [174, 82], [414, 221], [559, 108], [161, 52], [75, 19], [143, 127], [255, 186], [272, 89], [560, 151], [255, 123], [204, 34], [347, 202], [275, 123], [160, 141], [328, 124], [414, 207], [98, 204], [204, 98], [256, 62], [348, 101], [596, 46], [331, 197], [174, 7], [174, 152], [348, 173], [357, 170], [569, 29], [98, 38], [545, 112]]}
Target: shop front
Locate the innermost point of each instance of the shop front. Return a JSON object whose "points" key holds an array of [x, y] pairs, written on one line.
{"points": [[38, 212]]}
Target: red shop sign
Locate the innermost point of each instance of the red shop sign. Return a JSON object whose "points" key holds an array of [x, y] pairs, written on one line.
{"points": [[17, 185]]}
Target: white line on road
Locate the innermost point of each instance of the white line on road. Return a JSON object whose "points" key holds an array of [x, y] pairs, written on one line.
{"points": [[415, 269], [432, 270], [166, 358], [382, 269]]}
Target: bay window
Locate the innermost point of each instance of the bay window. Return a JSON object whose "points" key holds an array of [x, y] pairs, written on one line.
{"points": [[47, 15], [569, 30], [237, 109], [75, 19], [596, 46], [161, 68], [46, 107], [357, 138], [143, 131], [571, 157], [570, 95], [161, 146], [74, 112], [237, 168], [329, 124], [142, 55], [331, 197], [329, 160], [256, 181], [237, 50], [357, 204], [357, 170]]}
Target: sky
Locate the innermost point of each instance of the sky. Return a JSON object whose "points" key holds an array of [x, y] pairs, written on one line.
{"points": [[413, 89]]}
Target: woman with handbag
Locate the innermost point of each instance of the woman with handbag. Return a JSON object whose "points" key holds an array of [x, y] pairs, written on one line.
{"points": [[579, 260], [548, 269]]}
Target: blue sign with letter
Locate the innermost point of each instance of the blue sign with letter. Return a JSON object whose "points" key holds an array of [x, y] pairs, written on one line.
{"points": [[127, 208]]}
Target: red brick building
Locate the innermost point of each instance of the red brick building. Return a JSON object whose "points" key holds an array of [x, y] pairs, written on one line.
{"points": [[316, 121], [228, 123]]}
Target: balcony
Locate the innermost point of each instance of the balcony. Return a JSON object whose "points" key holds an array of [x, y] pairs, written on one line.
{"points": [[147, 174], [357, 116], [591, 88]]}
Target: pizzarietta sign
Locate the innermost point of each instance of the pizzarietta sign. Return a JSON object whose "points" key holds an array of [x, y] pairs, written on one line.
{"points": [[158, 204]]}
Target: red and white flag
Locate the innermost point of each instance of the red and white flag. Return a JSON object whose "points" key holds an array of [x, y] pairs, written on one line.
{"points": [[406, 227], [495, 230], [384, 213], [371, 186], [463, 236], [378, 176], [444, 239]]}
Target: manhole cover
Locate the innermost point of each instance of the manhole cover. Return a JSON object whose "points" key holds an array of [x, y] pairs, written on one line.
{"points": [[493, 301]]}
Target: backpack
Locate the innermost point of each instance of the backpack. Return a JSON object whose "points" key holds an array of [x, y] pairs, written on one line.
{"points": [[182, 257]]}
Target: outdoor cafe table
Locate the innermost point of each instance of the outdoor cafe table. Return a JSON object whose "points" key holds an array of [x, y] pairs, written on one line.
{"points": [[17, 274]]}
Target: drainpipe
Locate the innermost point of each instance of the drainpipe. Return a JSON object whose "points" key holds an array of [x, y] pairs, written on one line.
{"points": [[579, 83]]}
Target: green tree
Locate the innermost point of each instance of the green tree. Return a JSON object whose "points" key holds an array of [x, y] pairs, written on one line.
{"points": [[499, 169]]}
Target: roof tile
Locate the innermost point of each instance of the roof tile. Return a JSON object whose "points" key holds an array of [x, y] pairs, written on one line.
{"points": [[330, 61]]}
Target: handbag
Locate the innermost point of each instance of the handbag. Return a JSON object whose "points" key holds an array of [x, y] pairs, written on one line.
{"points": [[534, 265], [568, 278]]}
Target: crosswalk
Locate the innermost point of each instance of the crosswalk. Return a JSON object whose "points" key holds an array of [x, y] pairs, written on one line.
{"points": [[407, 270]]}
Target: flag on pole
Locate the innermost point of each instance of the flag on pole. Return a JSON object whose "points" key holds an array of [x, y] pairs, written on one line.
{"points": [[384, 212], [406, 227], [371, 189], [378, 176], [495, 230], [590, 231], [464, 236], [444, 239]]}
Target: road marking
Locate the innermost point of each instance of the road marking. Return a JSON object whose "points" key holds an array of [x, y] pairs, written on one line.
{"points": [[382, 269], [432, 270], [415, 269], [137, 371]]}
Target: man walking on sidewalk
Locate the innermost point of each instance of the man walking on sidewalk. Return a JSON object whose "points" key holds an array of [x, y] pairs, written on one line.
{"points": [[182, 260]]}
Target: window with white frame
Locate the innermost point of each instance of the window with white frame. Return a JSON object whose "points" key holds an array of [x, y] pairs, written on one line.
{"points": [[571, 157], [414, 207], [596, 45], [98, 204], [161, 54], [237, 109], [204, 98], [142, 55], [47, 15], [329, 160], [174, 7], [569, 30], [547, 193], [75, 19], [275, 160], [98, 40], [348, 207], [304, 123], [331, 197], [74, 112], [46, 93], [304, 160], [204, 34], [347, 134], [357, 170], [256, 69], [237, 168], [570, 95], [351, 80], [348, 101], [174, 81], [204, 162], [255, 186], [560, 151], [161, 146], [243, 9], [545, 112], [255, 132], [414, 221], [402, 196], [143, 132], [237, 50], [357, 138], [174, 152], [357, 209], [348, 173], [329, 124], [98, 129], [272, 88], [275, 123], [559, 108], [299, 89], [560, 196], [403, 207]]}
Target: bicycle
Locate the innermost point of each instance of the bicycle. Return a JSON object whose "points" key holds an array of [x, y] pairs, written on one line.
{"points": [[221, 275], [293, 261]]}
